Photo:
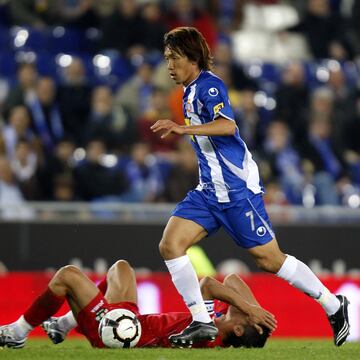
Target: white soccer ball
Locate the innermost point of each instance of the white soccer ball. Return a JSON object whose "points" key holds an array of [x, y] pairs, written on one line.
{"points": [[120, 328]]}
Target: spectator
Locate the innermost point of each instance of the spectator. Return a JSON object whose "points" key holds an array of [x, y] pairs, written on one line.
{"points": [[46, 118], [227, 14], [323, 160], [77, 13], [352, 133], [12, 203], [134, 95], [342, 103], [59, 163], [352, 136], [25, 169], [143, 173], [24, 91], [110, 123], [74, 99], [154, 28], [223, 57], [17, 128], [126, 23], [96, 181], [158, 110], [321, 27], [285, 161], [292, 99], [251, 126], [39, 14], [355, 22], [34, 13], [64, 188], [186, 13], [184, 173]]}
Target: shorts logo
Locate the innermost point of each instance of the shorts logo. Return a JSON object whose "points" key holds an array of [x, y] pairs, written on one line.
{"points": [[213, 91], [261, 231], [218, 107], [100, 314], [97, 306]]}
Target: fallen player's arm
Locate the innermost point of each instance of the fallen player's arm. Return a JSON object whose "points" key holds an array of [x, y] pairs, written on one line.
{"points": [[218, 127], [213, 289], [233, 281]]}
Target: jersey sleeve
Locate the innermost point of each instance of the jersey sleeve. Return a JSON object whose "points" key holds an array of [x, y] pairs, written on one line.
{"points": [[214, 97], [220, 307]]}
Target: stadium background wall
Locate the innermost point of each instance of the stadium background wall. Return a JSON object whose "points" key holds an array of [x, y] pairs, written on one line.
{"points": [[39, 246], [296, 313]]}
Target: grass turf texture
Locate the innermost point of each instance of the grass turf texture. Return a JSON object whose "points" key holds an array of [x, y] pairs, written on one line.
{"points": [[275, 350]]}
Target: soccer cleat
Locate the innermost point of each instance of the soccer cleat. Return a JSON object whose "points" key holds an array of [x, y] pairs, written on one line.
{"points": [[8, 338], [197, 331], [340, 321], [51, 327]]}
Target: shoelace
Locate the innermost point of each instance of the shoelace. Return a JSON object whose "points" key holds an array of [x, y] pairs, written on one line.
{"points": [[7, 332]]}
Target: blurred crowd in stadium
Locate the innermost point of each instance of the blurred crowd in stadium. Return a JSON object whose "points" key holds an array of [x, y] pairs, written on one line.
{"points": [[81, 82]]}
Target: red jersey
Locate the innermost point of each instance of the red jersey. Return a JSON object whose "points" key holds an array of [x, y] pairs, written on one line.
{"points": [[156, 328]]}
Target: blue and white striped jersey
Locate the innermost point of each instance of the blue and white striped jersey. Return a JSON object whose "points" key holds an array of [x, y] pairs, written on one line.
{"points": [[227, 171]]}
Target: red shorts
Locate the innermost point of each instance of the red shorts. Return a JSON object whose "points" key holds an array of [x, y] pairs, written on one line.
{"points": [[88, 318]]}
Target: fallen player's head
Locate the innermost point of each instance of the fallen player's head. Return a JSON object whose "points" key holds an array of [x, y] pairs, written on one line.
{"points": [[249, 338]]}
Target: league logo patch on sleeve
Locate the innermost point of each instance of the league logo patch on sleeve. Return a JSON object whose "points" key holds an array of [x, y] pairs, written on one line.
{"points": [[213, 91], [218, 107]]}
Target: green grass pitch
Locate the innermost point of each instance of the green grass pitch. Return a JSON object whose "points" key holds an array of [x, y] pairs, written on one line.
{"points": [[38, 349]]}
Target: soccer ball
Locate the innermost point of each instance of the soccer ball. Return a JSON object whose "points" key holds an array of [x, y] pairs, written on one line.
{"points": [[120, 328]]}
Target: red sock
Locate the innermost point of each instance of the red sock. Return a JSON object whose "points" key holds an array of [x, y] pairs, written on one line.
{"points": [[102, 286], [46, 305]]}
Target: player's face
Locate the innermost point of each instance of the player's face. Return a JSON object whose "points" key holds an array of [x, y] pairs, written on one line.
{"points": [[181, 69], [227, 325]]}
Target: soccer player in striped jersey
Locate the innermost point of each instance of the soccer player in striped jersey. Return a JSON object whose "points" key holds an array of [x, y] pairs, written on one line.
{"points": [[229, 193]]}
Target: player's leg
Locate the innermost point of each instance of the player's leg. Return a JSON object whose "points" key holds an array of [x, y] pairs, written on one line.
{"points": [[270, 258], [69, 283], [250, 227], [121, 283], [191, 221], [80, 291], [118, 286], [178, 236]]}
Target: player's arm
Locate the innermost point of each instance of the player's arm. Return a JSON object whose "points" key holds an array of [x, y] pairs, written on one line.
{"points": [[219, 127], [234, 282], [213, 289]]}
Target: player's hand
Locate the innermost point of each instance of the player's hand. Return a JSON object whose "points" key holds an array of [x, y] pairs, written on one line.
{"points": [[167, 127], [258, 316]]}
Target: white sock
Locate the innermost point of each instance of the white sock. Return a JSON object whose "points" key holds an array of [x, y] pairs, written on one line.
{"points": [[300, 276], [67, 322], [210, 307], [186, 282], [21, 328]]}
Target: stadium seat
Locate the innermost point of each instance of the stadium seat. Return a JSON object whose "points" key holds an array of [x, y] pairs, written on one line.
{"points": [[7, 64], [4, 39]]}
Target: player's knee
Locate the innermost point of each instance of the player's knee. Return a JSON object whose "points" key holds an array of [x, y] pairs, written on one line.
{"points": [[167, 249], [172, 249], [68, 272], [64, 275], [121, 265]]}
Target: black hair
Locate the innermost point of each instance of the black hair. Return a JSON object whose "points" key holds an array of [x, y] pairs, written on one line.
{"points": [[249, 339]]}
